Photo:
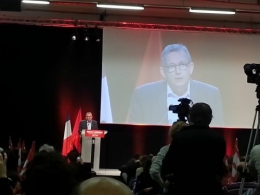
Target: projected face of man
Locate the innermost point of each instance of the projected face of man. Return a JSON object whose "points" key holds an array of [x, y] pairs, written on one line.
{"points": [[89, 116], [177, 69]]}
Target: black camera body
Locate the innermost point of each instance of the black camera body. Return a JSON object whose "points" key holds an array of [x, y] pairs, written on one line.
{"points": [[253, 76], [253, 73], [182, 109]]}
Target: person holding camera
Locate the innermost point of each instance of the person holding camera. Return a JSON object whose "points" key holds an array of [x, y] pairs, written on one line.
{"points": [[194, 161]]}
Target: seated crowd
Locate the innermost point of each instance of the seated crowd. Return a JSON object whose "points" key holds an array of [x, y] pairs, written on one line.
{"points": [[177, 169], [51, 173]]}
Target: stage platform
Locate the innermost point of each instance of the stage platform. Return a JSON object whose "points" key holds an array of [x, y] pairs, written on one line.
{"points": [[108, 172]]}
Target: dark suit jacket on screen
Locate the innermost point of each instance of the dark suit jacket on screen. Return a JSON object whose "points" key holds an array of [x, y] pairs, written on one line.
{"points": [[149, 102], [83, 125]]}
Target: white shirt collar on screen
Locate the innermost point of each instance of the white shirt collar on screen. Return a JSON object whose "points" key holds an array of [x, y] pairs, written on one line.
{"points": [[172, 99], [171, 94]]}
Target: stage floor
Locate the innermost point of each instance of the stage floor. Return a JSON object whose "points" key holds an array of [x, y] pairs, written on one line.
{"points": [[109, 172]]}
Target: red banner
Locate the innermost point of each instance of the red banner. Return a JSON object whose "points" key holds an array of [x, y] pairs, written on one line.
{"points": [[95, 133]]}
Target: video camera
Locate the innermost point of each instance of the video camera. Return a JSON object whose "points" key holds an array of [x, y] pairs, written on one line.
{"points": [[253, 73], [253, 76], [182, 109]]}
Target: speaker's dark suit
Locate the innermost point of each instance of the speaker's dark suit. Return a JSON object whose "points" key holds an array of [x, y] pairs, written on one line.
{"points": [[83, 125], [149, 102]]}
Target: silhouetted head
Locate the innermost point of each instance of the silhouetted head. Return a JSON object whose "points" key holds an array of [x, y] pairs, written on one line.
{"points": [[200, 113], [48, 173], [103, 186]]}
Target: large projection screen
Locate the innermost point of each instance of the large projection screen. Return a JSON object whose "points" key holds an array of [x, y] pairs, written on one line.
{"points": [[145, 71]]}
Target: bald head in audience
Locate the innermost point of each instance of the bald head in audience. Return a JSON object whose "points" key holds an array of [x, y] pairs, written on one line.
{"points": [[46, 148], [103, 186]]}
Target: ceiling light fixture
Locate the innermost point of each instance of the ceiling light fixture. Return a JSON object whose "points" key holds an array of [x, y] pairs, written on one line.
{"points": [[211, 11], [36, 2], [120, 6]]}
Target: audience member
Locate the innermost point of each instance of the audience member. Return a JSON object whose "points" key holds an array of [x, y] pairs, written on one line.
{"points": [[128, 169], [5, 183], [254, 166], [190, 149], [103, 186], [151, 156], [144, 183], [156, 166], [81, 171], [139, 170], [248, 177], [48, 173], [11, 165], [46, 148], [249, 184]]}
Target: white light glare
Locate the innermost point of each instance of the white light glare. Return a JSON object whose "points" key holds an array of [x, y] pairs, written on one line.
{"points": [[36, 2], [132, 7], [204, 11]]}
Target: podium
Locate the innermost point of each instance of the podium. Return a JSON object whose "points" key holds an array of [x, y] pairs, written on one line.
{"points": [[91, 140]]}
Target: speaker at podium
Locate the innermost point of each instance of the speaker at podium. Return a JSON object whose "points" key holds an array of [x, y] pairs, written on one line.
{"points": [[91, 143]]}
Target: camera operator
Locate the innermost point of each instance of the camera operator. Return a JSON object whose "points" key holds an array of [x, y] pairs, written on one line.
{"points": [[155, 170], [195, 156]]}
